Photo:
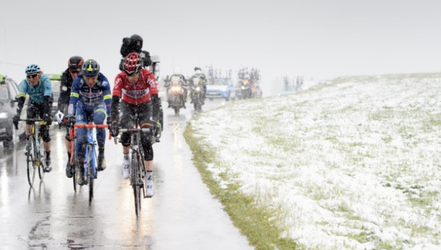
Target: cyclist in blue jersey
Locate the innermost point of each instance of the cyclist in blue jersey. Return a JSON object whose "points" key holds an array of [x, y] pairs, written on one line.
{"points": [[39, 88], [90, 101]]}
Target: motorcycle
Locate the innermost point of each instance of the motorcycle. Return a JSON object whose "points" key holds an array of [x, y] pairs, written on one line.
{"points": [[175, 95], [196, 94], [246, 90]]}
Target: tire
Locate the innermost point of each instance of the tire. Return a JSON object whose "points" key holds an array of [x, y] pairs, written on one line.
{"points": [[40, 158], [91, 171], [31, 167], [9, 144], [75, 172], [135, 179]]}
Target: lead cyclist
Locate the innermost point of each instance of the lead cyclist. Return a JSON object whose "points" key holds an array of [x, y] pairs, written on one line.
{"points": [[137, 88]]}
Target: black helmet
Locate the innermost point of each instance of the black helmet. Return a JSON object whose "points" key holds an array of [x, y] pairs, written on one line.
{"points": [[91, 68], [75, 63], [134, 39]]}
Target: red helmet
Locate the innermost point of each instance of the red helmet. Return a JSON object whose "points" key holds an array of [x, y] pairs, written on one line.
{"points": [[132, 63]]}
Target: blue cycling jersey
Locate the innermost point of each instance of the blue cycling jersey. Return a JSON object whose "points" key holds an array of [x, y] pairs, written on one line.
{"points": [[37, 93], [91, 97]]}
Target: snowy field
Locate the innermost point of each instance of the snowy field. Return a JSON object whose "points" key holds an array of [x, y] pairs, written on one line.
{"points": [[350, 164]]}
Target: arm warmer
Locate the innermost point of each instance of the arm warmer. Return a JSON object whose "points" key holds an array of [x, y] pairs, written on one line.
{"points": [[21, 101], [156, 101], [114, 113], [47, 105]]}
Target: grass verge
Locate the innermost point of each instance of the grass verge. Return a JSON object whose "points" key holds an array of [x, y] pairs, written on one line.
{"points": [[253, 222]]}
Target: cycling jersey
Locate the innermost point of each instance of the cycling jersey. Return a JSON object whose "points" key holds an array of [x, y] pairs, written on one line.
{"points": [[91, 97], [37, 93], [137, 93]]}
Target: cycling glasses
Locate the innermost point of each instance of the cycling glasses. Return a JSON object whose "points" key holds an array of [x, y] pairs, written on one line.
{"points": [[132, 73], [31, 76]]}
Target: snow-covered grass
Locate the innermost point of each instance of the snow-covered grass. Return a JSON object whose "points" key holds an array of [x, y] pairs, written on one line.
{"points": [[351, 164]]}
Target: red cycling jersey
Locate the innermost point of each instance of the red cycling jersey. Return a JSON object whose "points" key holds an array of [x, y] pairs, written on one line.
{"points": [[137, 93]]}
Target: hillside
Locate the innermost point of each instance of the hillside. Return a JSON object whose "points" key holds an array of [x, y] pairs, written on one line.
{"points": [[351, 164]]}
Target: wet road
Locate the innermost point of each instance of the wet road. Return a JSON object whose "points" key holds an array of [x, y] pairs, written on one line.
{"points": [[181, 215]]}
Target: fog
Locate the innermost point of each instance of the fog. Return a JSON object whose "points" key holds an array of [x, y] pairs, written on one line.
{"points": [[316, 39]]}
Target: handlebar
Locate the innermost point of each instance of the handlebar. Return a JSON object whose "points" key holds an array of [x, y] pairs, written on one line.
{"points": [[135, 129], [149, 129], [91, 125], [40, 121]]}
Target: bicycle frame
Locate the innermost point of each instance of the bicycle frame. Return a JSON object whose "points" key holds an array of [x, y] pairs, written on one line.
{"points": [[90, 161], [35, 160], [137, 165]]}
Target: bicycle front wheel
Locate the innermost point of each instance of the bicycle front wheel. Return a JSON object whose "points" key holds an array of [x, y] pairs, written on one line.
{"points": [[136, 183], [90, 177], [31, 166], [75, 172], [41, 160]]}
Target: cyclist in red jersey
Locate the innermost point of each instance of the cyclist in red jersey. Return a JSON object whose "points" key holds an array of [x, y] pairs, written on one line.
{"points": [[138, 90]]}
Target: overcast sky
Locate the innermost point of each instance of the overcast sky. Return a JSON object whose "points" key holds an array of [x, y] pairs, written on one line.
{"points": [[315, 38]]}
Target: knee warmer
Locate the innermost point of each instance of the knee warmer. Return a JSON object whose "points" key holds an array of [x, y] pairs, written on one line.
{"points": [[44, 130], [125, 139], [147, 146]]}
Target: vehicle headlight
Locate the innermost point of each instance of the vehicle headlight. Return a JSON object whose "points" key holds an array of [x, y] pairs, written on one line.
{"points": [[3, 115]]}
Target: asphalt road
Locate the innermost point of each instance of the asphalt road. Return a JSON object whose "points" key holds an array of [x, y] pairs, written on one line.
{"points": [[181, 215]]}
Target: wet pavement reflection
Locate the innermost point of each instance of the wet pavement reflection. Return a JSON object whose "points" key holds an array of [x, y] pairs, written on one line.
{"points": [[50, 215]]}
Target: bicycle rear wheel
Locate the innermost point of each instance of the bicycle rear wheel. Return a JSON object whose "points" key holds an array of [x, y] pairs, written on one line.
{"points": [[31, 167], [136, 183]]}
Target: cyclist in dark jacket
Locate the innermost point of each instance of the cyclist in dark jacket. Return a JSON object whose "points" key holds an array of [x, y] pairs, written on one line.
{"points": [[134, 44], [74, 68]]}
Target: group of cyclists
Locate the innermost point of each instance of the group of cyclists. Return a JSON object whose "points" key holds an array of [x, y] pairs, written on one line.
{"points": [[86, 91]]}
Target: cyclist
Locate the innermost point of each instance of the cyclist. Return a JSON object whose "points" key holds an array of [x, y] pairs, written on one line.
{"points": [[74, 69], [39, 88], [202, 81], [137, 88], [90, 100]]}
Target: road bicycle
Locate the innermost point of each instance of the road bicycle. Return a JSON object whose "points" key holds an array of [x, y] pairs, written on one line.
{"points": [[35, 158], [137, 166], [90, 161]]}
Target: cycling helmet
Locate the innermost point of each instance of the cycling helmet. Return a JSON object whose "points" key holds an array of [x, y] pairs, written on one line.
{"points": [[75, 63], [91, 68], [33, 68], [135, 38], [132, 63]]}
